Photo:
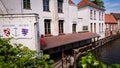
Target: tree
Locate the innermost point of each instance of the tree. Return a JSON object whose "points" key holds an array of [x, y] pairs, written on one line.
{"points": [[18, 56], [99, 3]]}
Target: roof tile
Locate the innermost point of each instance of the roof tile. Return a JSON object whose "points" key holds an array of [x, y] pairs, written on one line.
{"points": [[110, 19], [56, 41], [84, 3], [71, 2]]}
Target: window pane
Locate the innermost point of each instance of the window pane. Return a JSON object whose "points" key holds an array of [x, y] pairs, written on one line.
{"points": [[91, 14], [26, 4], [47, 27], [85, 27], [61, 26], [60, 6], [49, 31], [74, 27], [91, 27], [94, 27], [45, 5]]}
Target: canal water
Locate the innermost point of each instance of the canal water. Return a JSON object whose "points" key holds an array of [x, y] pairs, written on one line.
{"points": [[109, 53]]}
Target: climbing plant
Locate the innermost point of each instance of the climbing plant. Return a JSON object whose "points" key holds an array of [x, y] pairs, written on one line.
{"points": [[18, 56]]}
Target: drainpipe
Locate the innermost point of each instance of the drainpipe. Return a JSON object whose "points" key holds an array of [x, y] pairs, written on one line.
{"points": [[38, 35]]}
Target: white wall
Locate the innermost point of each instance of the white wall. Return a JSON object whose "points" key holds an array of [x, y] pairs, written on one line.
{"points": [[73, 18], [69, 14], [21, 21], [85, 14], [2, 8]]}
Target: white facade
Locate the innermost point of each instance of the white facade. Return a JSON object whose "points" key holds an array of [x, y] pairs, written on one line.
{"points": [[69, 17], [2, 8], [85, 13], [72, 16], [69, 14], [22, 28]]}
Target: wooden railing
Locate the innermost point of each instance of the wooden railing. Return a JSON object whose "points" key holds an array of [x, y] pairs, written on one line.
{"points": [[87, 48]]}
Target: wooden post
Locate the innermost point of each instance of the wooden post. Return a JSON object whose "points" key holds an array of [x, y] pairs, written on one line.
{"points": [[94, 41], [74, 59], [97, 38], [62, 56]]}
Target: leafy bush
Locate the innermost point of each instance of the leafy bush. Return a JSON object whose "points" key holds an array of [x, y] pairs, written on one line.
{"points": [[114, 66], [89, 61], [18, 56]]}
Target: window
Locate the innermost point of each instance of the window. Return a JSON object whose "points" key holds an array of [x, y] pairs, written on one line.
{"points": [[74, 27], [91, 14], [102, 27], [102, 15], [60, 6], [85, 27], [95, 27], [61, 26], [26, 4], [91, 25], [99, 16], [94, 15], [47, 26], [45, 5], [99, 27]]}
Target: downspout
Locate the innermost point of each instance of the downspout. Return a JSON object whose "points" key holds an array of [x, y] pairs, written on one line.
{"points": [[21, 6], [38, 35]]}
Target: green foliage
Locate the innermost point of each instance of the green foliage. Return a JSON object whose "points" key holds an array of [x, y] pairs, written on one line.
{"points": [[99, 3], [18, 56], [89, 61], [114, 66]]}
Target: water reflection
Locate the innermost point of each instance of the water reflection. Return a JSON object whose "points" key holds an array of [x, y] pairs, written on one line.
{"points": [[109, 53]]}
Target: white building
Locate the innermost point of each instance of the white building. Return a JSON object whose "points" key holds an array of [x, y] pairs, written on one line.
{"points": [[22, 28], [55, 15], [93, 17]]}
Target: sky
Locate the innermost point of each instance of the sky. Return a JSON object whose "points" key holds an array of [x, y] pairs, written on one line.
{"points": [[111, 6]]}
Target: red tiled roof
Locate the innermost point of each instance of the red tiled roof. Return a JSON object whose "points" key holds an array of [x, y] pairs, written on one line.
{"points": [[56, 41], [71, 2], [84, 3], [110, 19]]}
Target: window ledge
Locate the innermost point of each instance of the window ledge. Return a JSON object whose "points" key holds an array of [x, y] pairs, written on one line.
{"points": [[61, 33], [60, 12], [48, 35], [46, 11], [27, 8]]}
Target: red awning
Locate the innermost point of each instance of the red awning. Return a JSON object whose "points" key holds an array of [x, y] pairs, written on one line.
{"points": [[56, 41]]}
